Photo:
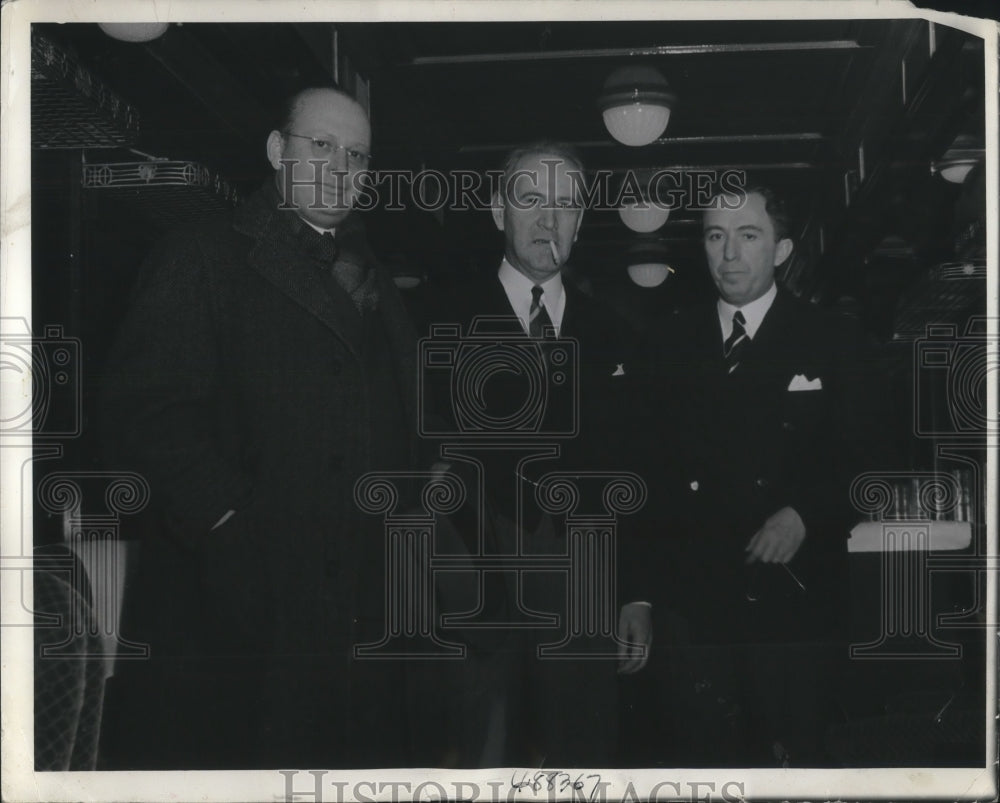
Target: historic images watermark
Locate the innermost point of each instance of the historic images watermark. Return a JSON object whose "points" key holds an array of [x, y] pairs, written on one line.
{"points": [[929, 524], [471, 190], [44, 372], [952, 372], [80, 613], [541, 414], [578, 786]]}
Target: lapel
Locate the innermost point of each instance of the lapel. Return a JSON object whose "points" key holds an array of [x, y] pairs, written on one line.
{"points": [[496, 301], [765, 360], [706, 343], [277, 256], [765, 351], [489, 301], [572, 319], [771, 332]]}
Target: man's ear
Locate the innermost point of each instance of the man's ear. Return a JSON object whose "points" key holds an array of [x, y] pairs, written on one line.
{"points": [[782, 251], [275, 146], [497, 211]]}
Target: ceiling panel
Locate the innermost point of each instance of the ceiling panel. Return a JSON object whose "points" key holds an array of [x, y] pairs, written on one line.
{"points": [[789, 99]]}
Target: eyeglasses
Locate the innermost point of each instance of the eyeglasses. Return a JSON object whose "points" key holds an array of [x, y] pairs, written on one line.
{"points": [[326, 148]]}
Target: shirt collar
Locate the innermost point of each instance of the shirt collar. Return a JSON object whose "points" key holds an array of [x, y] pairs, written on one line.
{"points": [[517, 286], [753, 313], [316, 228]]}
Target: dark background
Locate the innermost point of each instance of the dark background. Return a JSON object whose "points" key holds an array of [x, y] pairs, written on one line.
{"points": [[798, 101]]}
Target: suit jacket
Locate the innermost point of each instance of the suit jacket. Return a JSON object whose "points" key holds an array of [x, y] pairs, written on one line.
{"points": [[748, 444], [583, 404], [591, 412], [239, 383]]}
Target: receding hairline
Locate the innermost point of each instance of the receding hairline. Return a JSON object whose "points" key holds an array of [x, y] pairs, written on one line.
{"points": [[305, 95], [544, 156], [545, 153]]}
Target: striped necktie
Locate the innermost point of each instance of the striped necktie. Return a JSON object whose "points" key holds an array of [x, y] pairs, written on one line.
{"points": [[538, 318], [733, 348]]}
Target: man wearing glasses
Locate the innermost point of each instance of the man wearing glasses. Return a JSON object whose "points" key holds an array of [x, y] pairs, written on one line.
{"points": [[264, 366]]}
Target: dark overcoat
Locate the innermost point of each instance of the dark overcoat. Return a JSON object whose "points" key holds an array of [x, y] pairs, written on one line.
{"points": [[243, 379]]}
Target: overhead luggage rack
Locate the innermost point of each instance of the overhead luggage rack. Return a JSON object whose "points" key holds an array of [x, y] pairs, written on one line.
{"points": [[73, 108], [169, 192], [949, 292]]}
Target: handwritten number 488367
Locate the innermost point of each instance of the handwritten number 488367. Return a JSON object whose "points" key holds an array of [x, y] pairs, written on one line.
{"points": [[554, 781]]}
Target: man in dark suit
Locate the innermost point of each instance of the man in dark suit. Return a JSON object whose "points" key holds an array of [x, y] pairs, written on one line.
{"points": [[531, 708], [768, 401], [266, 363]]}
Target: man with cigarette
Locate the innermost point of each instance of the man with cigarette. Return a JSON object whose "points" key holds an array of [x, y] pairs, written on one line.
{"points": [[535, 709], [771, 397]]}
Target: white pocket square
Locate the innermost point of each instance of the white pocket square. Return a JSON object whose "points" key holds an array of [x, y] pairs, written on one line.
{"points": [[799, 382], [619, 370]]}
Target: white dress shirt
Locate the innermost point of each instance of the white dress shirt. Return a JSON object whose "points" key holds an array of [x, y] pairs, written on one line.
{"points": [[518, 289], [753, 313]]}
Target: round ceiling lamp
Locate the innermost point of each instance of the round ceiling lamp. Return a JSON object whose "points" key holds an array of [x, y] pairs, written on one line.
{"points": [[636, 103], [954, 171], [643, 217], [649, 274], [646, 261], [407, 281], [134, 31]]}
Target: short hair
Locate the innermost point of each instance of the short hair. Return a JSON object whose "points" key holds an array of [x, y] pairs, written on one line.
{"points": [[776, 207], [547, 147], [775, 204], [286, 110]]}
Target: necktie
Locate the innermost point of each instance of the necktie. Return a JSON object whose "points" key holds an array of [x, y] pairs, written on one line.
{"points": [[538, 317], [733, 348], [347, 269], [348, 274]]}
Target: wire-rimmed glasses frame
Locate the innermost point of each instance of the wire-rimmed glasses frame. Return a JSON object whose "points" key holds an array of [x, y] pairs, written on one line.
{"points": [[326, 147]]}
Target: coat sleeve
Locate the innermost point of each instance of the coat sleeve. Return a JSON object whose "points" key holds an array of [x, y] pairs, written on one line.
{"points": [[161, 397], [648, 544]]}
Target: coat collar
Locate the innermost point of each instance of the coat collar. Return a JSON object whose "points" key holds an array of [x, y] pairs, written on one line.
{"points": [[278, 254]]}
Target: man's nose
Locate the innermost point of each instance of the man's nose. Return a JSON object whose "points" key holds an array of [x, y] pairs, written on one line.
{"points": [[730, 250], [547, 218], [338, 160]]}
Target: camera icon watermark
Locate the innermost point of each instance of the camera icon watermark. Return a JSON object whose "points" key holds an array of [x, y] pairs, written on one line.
{"points": [[952, 372], [493, 382], [921, 528], [41, 379]]}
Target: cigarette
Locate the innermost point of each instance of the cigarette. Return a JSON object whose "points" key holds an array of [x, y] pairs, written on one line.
{"points": [[555, 252]]}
